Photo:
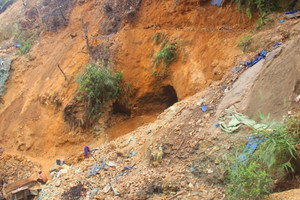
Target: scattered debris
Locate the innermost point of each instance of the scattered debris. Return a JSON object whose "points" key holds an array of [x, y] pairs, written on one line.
{"points": [[97, 167], [124, 171], [238, 68], [277, 44], [236, 120]]}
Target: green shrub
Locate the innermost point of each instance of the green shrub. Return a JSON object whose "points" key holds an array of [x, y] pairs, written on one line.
{"points": [[263, 6], [25, 46], [273, 159], [244, 42], [248, 181], [167, 54], [25, 40], [155, 38], [97, 86]]}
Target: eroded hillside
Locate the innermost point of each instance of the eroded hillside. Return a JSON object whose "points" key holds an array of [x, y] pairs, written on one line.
{"points": [[161, 139], [37, 93]]}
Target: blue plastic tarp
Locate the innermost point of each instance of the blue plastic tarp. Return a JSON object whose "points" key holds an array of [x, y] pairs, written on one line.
{"points": [[261, 55], [291, 12], [217, 2], [253, 141]]}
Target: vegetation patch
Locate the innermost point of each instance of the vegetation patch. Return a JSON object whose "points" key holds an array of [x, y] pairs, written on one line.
{"points": [[166, 54], [24, 38], [244, 42], [257, 175], [97, 86], [263, 6], [164, 57]]}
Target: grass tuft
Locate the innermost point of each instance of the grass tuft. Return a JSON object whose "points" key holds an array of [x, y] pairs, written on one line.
{"points": [[274, 158]]}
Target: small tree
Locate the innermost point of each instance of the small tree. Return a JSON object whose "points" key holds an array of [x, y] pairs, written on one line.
{"points": [[97, 86]]}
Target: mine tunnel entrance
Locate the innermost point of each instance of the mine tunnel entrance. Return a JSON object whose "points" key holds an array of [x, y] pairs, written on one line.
{"points": [[169, 95], [146, 110], [156, 102]]}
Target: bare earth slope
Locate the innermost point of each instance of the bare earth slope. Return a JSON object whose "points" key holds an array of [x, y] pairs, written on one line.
{"points": [[179, 153], [31, 120]]}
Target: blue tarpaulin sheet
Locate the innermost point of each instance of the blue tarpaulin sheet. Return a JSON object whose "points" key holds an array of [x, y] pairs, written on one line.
{"points": [[291, 12], [261, 55], [217, 2], [253, 141]]}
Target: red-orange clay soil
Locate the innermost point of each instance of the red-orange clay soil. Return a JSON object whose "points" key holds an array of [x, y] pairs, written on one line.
{"points": [[206, 40]]}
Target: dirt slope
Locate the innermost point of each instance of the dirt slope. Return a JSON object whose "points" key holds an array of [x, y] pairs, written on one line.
{"points": [[181, 154], [32, 121]]}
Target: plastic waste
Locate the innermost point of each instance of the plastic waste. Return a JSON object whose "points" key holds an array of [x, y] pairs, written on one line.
{"points": [[253, 141], [86, 151], [277, 44], [291, 12], [217, 2], [204, 108], [261, 55], [97, 167]]}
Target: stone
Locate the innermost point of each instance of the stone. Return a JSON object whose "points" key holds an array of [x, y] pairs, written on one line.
{"points": [[57, 183]]}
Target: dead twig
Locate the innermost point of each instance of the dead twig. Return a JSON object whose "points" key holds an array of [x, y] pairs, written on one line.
{"points": [[59, 7], [84, 26], [62, 72], [176, 195]]}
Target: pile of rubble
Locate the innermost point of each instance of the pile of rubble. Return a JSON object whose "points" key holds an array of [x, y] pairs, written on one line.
{"points": [[14, 169]]}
